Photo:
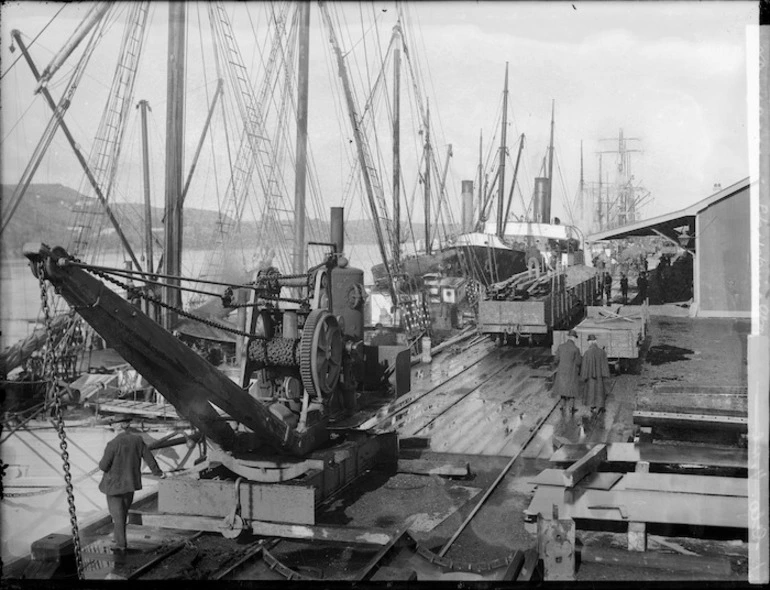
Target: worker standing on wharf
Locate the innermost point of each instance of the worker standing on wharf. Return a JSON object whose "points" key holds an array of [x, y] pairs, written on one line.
{"points": [[608, 287], [594, 371], [641, 286], [624, 288], [121, 463], [567, 382]]}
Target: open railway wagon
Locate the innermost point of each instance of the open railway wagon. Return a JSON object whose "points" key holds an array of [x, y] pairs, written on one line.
{"points": [[531, 306], [285, 438], [621, 331]]}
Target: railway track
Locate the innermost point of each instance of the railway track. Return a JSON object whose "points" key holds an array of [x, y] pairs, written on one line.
{"points": [[490, 402]]}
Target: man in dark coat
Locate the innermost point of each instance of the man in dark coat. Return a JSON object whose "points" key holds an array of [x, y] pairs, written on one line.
{"points": [[567, 381], [595, 371], [624, 288], [121, 463], [641, 286]]}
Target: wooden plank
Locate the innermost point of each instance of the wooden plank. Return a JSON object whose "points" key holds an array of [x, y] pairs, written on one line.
{"points": [[587, 464], [696, 388], [647, 418], [648, 506], [593, 481], [716, 566], [695, 455], [693, 403], [686, 484], [184, 522], [529, 571], [339, 534], [424, 467]]}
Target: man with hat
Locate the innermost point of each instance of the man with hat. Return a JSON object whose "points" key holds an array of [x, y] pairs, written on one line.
{"points": [[594, 370], [567, 381], [121, 463]]}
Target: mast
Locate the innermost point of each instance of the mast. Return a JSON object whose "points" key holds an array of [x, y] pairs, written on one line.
{"points": [[397, 152], [546, 204], [174, 152], [599, 201], [367, 170], [145, 106], [302, 108], [513, 184], [501, 186], [481, 173], [427, 179], [581, 205]]}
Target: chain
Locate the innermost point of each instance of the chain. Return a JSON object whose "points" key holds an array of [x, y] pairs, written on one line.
{"points": [[178, 310], [49, 360]]}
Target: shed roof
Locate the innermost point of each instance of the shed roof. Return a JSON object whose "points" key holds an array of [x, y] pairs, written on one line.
{"points": [[667, 224]]}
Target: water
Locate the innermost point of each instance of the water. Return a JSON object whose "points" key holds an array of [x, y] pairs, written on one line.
{"points": [[35, 502], [20, 305]]}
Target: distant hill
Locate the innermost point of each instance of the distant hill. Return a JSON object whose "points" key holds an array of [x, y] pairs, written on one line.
{"points": [[47, 211]]}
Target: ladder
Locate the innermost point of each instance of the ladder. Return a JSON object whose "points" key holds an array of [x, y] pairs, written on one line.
{"points": [[256, 149], [105, 153]]}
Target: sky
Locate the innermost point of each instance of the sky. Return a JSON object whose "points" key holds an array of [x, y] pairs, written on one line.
{"points": [[672, 74]]}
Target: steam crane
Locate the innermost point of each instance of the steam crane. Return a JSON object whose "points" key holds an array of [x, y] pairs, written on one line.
{"points": [[308, 380]]}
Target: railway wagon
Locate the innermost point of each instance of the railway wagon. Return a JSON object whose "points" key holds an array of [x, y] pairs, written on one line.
{"points": [[535, 317], [621, 331]]}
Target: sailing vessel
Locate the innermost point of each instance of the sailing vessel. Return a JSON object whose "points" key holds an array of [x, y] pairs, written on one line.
{"points": [[480, 252]]}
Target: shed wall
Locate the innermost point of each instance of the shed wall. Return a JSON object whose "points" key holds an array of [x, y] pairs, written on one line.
{"points": [[724, 250]]}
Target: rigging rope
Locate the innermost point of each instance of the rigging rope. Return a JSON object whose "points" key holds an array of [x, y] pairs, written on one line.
{"points": [[31, 43]]}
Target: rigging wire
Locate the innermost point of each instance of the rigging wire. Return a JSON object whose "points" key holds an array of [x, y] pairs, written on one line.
{"points": [[31, 43]]}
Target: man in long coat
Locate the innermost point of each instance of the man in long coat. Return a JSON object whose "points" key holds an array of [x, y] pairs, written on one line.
{"points": [[121, 463], [595, 371], [567, 382]]}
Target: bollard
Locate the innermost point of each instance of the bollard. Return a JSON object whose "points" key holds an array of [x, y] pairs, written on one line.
{"points": [[426, 357]]}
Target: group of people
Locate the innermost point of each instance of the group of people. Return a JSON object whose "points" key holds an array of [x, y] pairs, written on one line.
{"points": [[588, 374], [641, 286]]}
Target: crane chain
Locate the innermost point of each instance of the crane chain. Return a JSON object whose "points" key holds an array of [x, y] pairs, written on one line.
{"points": [[48, 368], [174, 308]]}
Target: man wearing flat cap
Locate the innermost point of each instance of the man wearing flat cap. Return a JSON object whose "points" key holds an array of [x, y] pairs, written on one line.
{"points": [[567, 381], [122, 463], [594, 371]]}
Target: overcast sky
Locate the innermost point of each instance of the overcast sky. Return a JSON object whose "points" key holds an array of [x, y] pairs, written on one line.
{"points": [[672, 74]]}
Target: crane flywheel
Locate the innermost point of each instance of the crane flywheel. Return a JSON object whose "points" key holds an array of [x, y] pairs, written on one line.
{"points": [[321, 353]]}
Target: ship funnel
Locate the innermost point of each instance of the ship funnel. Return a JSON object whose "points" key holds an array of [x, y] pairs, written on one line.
{"points": [[541, 206], [467, 206], [337, 228]]}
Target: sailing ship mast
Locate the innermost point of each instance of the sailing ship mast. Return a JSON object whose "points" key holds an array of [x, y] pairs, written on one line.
{"points": [[503, 150], [397, 150], [546, 214], [177, 14], [427, 180], [302, 109]]}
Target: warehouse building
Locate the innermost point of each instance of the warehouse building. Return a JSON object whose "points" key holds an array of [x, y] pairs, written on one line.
{"points": [[717, 232]]}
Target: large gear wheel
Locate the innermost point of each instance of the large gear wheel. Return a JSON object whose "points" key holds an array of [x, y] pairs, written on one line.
{"points": [[320, 353]]}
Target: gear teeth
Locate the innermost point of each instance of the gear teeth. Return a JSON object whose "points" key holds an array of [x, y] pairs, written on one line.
{"points": [[306, 349]]}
